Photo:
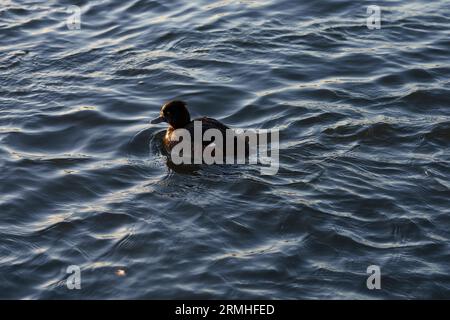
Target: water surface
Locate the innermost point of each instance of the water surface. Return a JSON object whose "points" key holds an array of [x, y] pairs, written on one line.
{"points": [[364, 174]]}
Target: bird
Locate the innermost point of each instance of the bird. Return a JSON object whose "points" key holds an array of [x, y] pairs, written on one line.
{"points": [[176, 114]]}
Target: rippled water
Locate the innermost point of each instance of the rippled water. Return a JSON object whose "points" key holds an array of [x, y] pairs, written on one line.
{"points": [[364, 124]]}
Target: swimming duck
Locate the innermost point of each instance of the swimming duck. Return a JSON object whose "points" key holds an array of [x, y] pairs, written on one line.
{"points": [[176, 114]]}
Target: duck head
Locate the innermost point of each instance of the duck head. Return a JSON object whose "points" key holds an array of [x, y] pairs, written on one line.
{"points": [[174, 113]]}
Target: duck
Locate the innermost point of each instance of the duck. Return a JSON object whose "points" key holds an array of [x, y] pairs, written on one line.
{"points": [[176, 115]]}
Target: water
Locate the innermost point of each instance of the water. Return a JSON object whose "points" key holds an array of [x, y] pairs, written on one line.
{"points": [[364, 175]]}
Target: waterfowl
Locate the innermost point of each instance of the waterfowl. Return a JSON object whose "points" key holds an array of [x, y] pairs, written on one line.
{"points": [[176, 114]]}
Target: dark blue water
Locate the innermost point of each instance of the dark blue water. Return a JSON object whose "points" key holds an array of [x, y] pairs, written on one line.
{"points": [[364, 120]]}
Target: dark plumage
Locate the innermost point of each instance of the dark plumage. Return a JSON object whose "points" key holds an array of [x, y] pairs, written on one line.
{"points": [[177, 116]]}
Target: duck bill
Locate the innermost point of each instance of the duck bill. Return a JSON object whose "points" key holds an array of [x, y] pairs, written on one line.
{"points": [[158, 120]]}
